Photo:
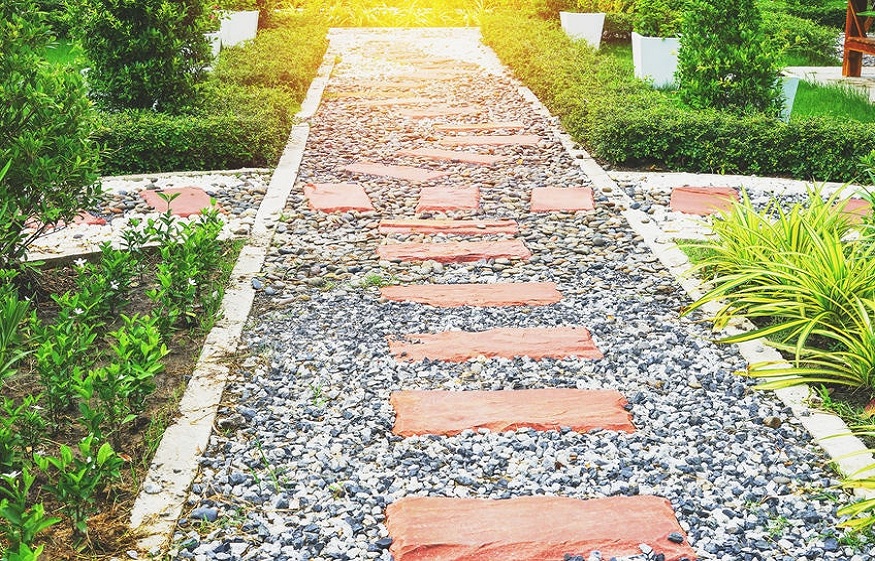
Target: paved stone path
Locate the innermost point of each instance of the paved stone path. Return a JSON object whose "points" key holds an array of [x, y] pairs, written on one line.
{"points": [[523, 389]]}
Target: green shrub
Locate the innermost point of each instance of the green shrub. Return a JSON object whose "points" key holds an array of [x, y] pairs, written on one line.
{"points": [[797, 37], [46, 124], [275, 58], [148, 54], [623, 122], [657, 18], [724, 61], [825, 12]]}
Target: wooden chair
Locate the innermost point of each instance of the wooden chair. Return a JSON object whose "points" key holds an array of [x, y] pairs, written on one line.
{"points": [[857, 24]]}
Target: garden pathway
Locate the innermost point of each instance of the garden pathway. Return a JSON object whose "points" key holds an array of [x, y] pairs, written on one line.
{"points": [[466, 353]]}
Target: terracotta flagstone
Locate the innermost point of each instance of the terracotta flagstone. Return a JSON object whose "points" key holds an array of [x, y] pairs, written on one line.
{"points": [[397, 101], [491, 126], [430, 113], [454, 252], [855, 208], [702, 200], [337, 197], [441, 199], [453, 156], [455, 295], [189, 200], [447, 226], [546, 199], [491, 140], [85, 217], [407, 173], [451, 412], [532, 528], [458, 346]]}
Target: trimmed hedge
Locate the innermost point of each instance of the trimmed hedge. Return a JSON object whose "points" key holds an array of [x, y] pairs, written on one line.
{"points": [[622, 121], [244, 116]]}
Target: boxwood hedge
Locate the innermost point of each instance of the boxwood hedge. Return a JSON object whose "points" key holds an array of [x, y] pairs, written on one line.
{"points": [[623, 122]]}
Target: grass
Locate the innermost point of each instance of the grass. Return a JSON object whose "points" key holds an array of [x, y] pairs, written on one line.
{"points": [[835, 100]]}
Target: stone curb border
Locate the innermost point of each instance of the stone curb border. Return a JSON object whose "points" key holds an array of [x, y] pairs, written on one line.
{"points": [[176, 462], [849, 455]]}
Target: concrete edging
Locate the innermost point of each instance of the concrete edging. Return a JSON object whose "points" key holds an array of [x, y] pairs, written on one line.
{"points": [[848, 453], [165, 488]]}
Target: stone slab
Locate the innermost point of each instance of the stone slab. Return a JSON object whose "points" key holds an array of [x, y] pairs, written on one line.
{"points": [[702, 201], [432, 112], [397, 101], [455, 295], [447, 226], [856, 208], [449, 413], [454, 252], [441, 199], [570, 199], [491, 140], [531, 528], [337, 197], [406, 173], [490, 126], [459, 346], [189, 200], [453, 156]]}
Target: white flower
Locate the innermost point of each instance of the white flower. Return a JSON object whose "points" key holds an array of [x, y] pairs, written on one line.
{"points": [[113, 285], [80, 262], [78, 311], [192, 282]]}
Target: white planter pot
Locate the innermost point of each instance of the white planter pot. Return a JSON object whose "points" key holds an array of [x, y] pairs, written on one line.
{"points": [[238, 27], [655, 59], [586, 26], [789, 85]]}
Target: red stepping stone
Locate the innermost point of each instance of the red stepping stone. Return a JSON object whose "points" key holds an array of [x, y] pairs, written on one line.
{"points": [[453, 156], [702, 200], [458, 346], [407, 173], [491, 140], [437, 112], [190, 200], [448, 413], [447, 226], [89, 219], [441, 199], [546, 199], [454, 252], [455, 295], [531, 528], [466, 127], [337, 197], [398, 101], [855, 208]]}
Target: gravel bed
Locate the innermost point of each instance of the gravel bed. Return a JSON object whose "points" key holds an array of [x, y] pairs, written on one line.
{"points": [[237, 193], [303, 461]]}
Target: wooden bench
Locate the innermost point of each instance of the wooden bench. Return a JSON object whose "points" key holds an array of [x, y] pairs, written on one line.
{"points": [[857, 24]]}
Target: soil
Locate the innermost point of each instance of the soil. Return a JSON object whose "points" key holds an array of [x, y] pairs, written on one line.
{"points": [[109, 535]]}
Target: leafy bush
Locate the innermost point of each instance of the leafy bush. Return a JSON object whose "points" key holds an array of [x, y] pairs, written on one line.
{"points": [[245, 112], [46, 124], [724, 61], [798, 37], [657, 18], [825, 12], [148, 54], [622, 121]]}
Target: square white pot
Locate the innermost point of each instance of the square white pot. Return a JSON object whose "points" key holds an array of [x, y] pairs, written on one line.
{"points": [[586, 26], [789, 85], [655, 59], [238, 27]]}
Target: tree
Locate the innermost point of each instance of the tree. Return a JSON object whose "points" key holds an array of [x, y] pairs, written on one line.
{"points": [[145, 54], [725, 61], [46, 125]]}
